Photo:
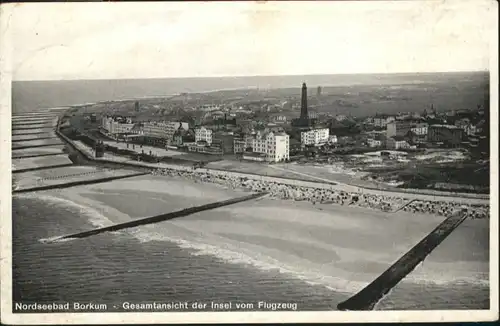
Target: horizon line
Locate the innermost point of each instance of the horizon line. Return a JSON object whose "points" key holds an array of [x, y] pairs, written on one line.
{"points": [[247, 76]]}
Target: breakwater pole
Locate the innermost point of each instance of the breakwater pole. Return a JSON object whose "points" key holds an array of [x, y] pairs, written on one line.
{"points": [[162, 217], [368, 297], [77, 183]]}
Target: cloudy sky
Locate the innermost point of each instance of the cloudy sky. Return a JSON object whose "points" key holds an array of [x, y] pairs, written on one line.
{"points": [[131, 40]]}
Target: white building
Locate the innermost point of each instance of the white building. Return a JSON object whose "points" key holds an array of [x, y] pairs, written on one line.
{"points": [[275, 145], [315, 136], [399, 128], [382, 121], [163, 129], [332, 139], [466, 126], [203, 134], [397, 144], [374, 142], [420, 129], [112, 126]]}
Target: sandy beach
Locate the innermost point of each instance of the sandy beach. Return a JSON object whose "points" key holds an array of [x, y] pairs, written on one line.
{"points": [[342, 248], [58, 176]]}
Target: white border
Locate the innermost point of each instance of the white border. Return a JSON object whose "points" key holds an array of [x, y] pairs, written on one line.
{"points": [[220, 317]]}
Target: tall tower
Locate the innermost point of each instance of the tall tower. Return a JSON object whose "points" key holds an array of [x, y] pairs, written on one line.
{"points": [[303, 107]]}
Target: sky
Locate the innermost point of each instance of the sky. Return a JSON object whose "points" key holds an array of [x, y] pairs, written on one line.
{"points": [[130, 40]]}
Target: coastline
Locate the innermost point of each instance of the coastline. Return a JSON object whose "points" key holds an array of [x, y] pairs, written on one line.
{"points": [[329, 241]]}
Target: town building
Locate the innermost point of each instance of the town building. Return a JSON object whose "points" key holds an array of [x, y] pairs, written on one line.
{"points": [[163, 131], [275, 145], [399, 128], [116, 125], [466, 126], [225, 141], [203, 134], [332, 139], [420, 129], [314, 137], [397, 143], [374, 142], [447, 134], [381, 121], [204, 148]]}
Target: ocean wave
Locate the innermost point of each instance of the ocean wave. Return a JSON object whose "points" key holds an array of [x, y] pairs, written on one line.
{"points": [[261, 261], [94, 216]]}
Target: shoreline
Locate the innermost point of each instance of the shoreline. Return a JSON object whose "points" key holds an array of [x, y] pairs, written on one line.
{"points": [[204, 238]]}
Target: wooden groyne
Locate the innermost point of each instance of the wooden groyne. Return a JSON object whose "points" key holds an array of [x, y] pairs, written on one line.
{"points": [[163, 217], [77, 183], [31, 128], [368, 297], [44, 124], [32, 133], [35, 138], [36, 155], [43, 167], [34, 146]]}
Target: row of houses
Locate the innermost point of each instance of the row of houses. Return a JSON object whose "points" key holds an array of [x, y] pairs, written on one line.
{"points": [[407, 133], [266, 145], [263, 145]]}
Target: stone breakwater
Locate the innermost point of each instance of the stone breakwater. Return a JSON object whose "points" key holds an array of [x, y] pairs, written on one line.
{"points": [[323, 195]]}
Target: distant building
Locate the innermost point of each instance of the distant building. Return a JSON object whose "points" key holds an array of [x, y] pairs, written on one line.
{"points": [[466, 126], [314, 137], [332, 139], [374, 143], [163, 131], [116, 125], [318, 91], [420, 129], [448, 134], [382, 121], [399, 128], [397, 143], [341, 117], [204, 148], [224, 140], [203, 134]]}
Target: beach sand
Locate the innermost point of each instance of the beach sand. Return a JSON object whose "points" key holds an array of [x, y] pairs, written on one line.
{"points": [[342, 248]]}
